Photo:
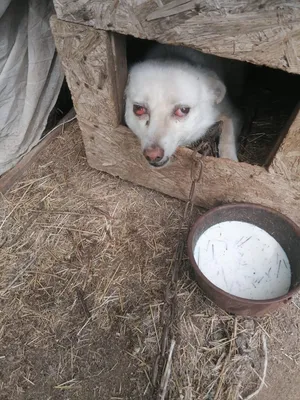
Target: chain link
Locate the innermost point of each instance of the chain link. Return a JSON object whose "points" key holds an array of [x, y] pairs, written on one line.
{"points": [[168, 314]]}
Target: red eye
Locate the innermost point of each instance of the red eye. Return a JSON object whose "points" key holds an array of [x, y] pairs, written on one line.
{"points": [[182, 111], [139, 110]]}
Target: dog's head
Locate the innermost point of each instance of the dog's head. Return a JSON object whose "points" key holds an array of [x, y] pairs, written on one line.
{"points": [[170, 105]]}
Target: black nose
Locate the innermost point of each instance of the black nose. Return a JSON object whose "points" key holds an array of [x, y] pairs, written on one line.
{"points": [[156, 160]]}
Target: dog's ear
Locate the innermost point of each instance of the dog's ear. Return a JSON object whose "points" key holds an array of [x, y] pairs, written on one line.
{"points": [[217, 88]]}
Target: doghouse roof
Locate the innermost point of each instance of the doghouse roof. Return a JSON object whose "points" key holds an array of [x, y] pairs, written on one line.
{"points": [[261, 32]]}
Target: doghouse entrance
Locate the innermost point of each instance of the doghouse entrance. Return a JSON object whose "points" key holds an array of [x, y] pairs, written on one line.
{"points": [[95, 63], [269, 99]]}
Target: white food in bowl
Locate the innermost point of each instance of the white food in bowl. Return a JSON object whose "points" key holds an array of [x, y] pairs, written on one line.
{"points": [[243, 260]]}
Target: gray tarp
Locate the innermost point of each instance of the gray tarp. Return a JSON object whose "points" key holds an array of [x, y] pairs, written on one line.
{"points": [[30, 76]]}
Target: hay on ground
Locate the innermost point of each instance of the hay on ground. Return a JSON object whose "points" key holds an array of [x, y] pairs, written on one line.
{"points": [[84, 263]]}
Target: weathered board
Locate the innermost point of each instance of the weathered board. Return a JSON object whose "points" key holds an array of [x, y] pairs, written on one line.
{"points": [[259, 31], [96, 80], [88, 61], [95, 66], [287, 159], [117, 152]]}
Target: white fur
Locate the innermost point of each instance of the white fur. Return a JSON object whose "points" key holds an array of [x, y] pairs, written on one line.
{"points": [[173, 76]]}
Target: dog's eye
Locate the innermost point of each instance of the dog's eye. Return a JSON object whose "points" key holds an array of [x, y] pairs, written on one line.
{"points": [[139, 110], [182, 111]]}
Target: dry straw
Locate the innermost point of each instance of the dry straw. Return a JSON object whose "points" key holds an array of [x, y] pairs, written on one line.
{"points": [[83, 270]]}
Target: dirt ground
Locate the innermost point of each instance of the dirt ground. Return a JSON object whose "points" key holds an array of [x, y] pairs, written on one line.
{"points": [[85, 259]]}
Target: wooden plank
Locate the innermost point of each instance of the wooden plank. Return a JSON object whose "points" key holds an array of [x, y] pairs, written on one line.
{"points": [[287, 159], [88, 58], [8, 179], [258, 39], [117, 152], [260, 32], [173, 8], [119, 64]]}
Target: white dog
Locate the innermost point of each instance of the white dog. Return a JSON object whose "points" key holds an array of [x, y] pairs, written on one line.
{"points": [[175, 95]]}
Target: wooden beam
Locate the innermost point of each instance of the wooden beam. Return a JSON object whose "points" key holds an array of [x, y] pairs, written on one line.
{"points": [[117, 152], [119, 65], [287, 159], [260, 32], [94, 63]]}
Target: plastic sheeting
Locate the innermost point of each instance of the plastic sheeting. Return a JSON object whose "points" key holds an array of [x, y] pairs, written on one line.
{"points": [[30, 76]]}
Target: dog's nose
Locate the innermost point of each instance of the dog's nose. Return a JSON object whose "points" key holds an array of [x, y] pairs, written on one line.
{"points": [[154, 154]]}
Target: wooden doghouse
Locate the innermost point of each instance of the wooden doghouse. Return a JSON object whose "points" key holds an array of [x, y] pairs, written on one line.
{"points": [[91, 40]]}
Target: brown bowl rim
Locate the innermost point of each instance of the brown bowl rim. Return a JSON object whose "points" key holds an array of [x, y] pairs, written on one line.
{"points": [[208, 282]]}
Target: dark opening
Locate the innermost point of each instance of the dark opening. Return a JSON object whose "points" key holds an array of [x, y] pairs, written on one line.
{"points": [[269, 98], [61, 108]]}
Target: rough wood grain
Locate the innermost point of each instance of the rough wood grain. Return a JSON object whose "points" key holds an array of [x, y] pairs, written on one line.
{"points": [[115, 149], [287, 159], [261, 32], [118, 46], [88, 58], [117, 152]]}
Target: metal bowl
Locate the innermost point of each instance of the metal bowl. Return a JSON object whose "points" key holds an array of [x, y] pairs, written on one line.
{"points": [[283, 230]]}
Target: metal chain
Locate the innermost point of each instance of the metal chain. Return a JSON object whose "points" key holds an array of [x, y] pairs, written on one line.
{"points": [[168, 314]]}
